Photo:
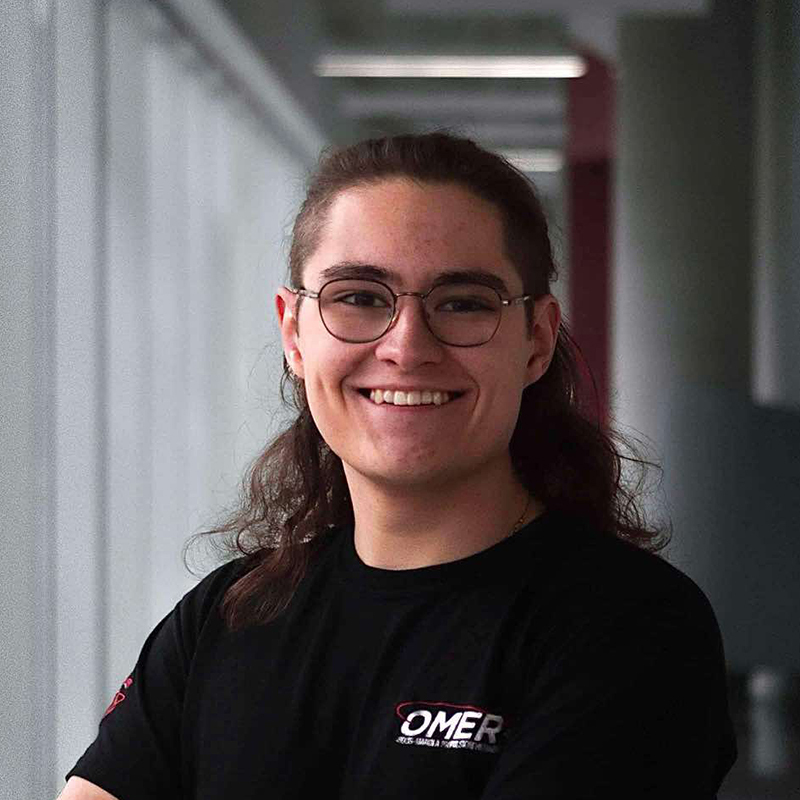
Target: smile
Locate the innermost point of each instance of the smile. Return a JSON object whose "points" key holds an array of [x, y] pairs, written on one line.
{"points": [[410, 398]]}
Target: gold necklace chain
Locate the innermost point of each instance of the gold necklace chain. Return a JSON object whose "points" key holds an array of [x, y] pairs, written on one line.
{"points": [[518, 523]]}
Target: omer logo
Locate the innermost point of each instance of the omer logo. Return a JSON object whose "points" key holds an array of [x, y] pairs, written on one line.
{"points": [[448, 725]]}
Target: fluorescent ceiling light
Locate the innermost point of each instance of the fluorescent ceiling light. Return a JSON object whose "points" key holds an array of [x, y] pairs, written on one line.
{"points": [[534, 160], [371, 66]]}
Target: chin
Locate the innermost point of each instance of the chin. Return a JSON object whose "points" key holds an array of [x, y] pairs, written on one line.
{"points": [[398, 476]]}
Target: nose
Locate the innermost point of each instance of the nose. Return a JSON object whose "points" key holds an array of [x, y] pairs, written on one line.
{"points": [[409, 341]]}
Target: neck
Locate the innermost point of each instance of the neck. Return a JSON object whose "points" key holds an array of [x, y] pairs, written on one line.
{"points": [[408, 526]]}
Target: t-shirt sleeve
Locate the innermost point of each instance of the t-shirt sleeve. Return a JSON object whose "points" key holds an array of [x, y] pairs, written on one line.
{"points": [[136, 754], [627, 701]]}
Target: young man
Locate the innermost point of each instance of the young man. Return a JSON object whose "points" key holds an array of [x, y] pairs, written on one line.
{"points": [[442, 588]]}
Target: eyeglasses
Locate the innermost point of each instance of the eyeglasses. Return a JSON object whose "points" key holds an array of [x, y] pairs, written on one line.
{"points": [[458, 314]]}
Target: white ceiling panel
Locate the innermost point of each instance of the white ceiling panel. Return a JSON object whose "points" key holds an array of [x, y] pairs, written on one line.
{"points": [[437, 104]]}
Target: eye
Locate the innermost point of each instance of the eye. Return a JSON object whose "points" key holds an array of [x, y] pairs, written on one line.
{"points": [[363, 300], [464, 305], [464, 300]]}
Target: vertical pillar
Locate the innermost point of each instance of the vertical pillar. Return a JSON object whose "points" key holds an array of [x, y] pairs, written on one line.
{"points": [[776, 353], [589, 154], [682, 273], [682, 298]]}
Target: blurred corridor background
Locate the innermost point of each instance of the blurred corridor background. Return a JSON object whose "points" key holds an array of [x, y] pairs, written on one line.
{"points": [[152, 156]]}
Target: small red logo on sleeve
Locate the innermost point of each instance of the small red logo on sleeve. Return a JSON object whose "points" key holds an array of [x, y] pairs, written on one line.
{"points": [[119, 696]]}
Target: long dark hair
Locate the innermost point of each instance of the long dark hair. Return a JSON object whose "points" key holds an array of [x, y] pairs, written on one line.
{"points": [[295, 490]]}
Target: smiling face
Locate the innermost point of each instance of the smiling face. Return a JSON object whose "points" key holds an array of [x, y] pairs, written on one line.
{"points": [[410, 234]]}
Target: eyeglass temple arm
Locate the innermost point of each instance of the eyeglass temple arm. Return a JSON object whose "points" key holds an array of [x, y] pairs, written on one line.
{"points": [[303, 292]]}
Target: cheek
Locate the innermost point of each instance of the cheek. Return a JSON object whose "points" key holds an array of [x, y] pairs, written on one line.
{"points": [[501, 396], [323, 378], [327, 369], [502, 376]]}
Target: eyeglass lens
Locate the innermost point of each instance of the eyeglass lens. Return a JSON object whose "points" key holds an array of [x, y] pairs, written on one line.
{"points": [[459, 314]]}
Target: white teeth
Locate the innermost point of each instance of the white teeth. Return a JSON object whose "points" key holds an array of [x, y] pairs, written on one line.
{"points": [[413, 398]]}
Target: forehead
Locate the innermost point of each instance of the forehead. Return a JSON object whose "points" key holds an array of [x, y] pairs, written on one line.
{"points": [[413, 231]]}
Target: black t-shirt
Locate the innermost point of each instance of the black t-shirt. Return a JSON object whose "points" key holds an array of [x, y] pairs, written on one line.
{"points": [[558, 663]]}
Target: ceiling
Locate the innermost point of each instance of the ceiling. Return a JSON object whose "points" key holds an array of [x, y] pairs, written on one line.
{"points": [[501, 113], [520, 114]]}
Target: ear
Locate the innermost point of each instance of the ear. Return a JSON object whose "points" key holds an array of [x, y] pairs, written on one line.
{"points": [[546, 322], [286, 306]]}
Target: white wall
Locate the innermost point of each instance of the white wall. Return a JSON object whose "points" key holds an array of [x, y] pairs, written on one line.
{"points": [[26, 412], [151, 164]]}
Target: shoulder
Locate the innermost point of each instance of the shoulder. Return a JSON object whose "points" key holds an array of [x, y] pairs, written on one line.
{"points": [[611, 567], [595, 582], [622, 572], [218, 580], [204, 600], [197, 605]]}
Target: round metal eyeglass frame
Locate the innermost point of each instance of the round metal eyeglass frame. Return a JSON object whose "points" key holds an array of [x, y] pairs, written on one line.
{"points": [[302, 292]]}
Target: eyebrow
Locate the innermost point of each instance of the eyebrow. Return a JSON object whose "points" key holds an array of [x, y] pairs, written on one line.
{"points": [[362, 271]]}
